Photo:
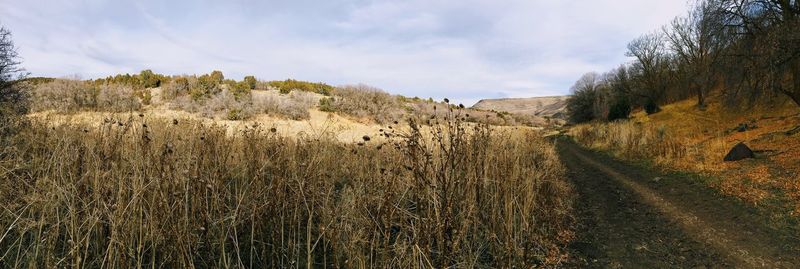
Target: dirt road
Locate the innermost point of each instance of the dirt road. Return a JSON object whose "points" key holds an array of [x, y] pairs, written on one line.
{"points": [[631, 217]]}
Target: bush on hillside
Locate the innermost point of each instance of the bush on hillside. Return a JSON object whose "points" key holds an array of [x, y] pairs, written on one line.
{"points": [[64, 95], [207, 86], [119, 98], [651, 107], [294, 106], [239, 89], [250, 81], [363, 101], [621, 109], [288, 85], [148, 79], [179, 86]]}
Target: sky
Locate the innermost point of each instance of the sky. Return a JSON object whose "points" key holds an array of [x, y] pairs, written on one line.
{"points": [[465, 50]]}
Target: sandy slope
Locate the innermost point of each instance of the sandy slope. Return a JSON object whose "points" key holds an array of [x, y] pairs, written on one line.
{"points": [[320, 123]]}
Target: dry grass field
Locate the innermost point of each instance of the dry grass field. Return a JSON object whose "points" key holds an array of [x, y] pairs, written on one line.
{"points": [[683, 137], [115, 191]]}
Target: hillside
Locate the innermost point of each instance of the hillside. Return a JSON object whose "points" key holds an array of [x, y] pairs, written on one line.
{"points": [[550, 106], [684, 138]]}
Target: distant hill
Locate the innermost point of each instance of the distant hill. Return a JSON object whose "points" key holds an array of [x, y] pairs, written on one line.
{"points": [[550, 106]]}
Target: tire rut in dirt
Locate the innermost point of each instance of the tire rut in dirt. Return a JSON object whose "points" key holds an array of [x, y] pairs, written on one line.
{"points": [[616, 230]]}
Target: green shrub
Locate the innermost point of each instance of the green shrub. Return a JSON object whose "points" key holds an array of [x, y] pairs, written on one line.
{"points": [[234, 114], [217, 76], [288, 85], [148, 79], [238, 89], [621, 109], [145, 96], [251, 82], [326, 104], [207, 85]]}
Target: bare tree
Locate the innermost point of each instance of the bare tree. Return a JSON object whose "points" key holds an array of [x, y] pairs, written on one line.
{"points": [[583, 101], [696, 41], [652, 68], [766, 44], [619, 89]]}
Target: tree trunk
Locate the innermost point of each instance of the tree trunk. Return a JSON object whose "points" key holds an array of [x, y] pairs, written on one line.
{"points": [[794, 92], [701, 98]]}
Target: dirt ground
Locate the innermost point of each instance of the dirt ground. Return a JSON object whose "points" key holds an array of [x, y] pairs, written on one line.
{"points": [[632, 217]]}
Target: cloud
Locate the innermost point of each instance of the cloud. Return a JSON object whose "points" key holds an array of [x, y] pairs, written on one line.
{"points": [[464, 50]]}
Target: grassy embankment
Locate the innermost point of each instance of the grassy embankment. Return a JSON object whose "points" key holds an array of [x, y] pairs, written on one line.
{"points": [[685, 138]]}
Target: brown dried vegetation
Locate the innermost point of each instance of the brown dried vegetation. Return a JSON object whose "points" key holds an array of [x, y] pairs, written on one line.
{"points": [[140, 193]]}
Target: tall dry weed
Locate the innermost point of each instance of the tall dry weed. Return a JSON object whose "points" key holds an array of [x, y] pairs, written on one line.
{"points": [[141, 193]]}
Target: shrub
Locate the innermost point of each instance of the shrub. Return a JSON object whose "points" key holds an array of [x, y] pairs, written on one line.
{"points": [[364, 101], [144, 95], [207, 86], [145, 79], [148, 79], [64, 95], [217, 76], [326, 104], [251, 82], [179, 86], [288, 85], [621, 109], [239, 89], [119, 98], [294, 106], [651, 107], [227, 104], [235, 114]]}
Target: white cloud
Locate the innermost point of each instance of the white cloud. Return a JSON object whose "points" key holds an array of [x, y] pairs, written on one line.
{"points": [[464, 50]]}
